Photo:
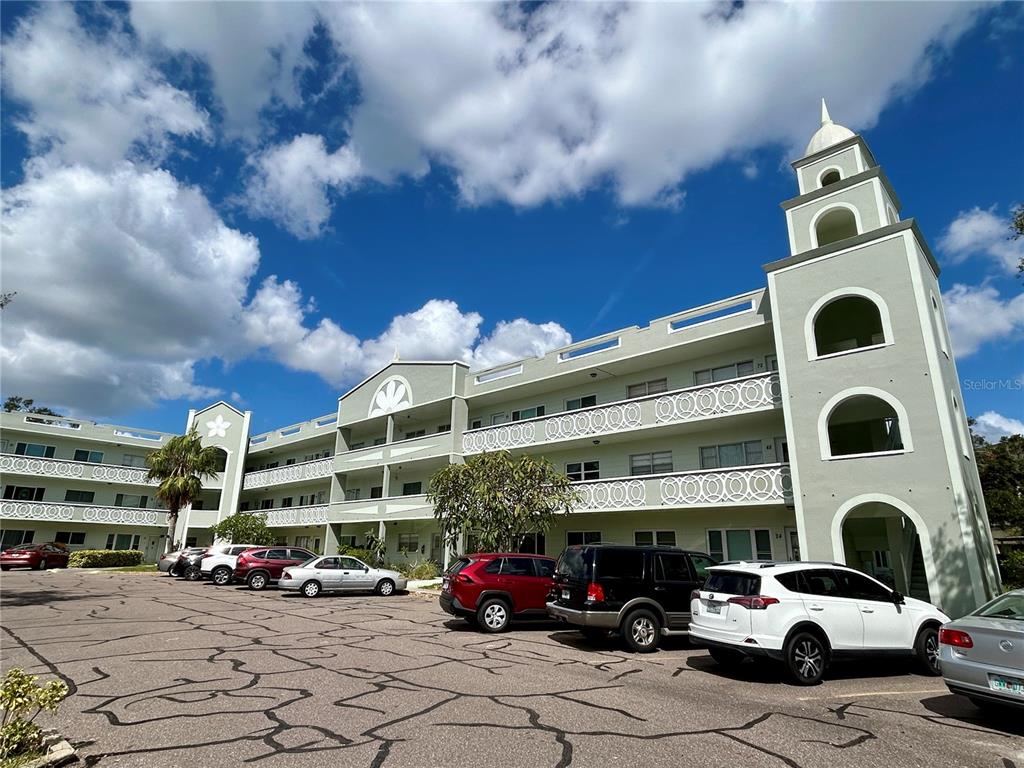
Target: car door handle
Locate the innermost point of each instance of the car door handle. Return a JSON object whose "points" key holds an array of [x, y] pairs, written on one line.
{"points": [[817, 607], [659, 589], [867, 610]]}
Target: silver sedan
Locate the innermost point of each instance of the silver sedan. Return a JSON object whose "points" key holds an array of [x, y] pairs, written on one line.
{"points": [[982, 654], [338, 573]]}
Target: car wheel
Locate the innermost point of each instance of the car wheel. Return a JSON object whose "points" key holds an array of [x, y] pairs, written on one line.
{"points": [[726, 657], [494, 615], [642, 631], [806, 657], [221, 576], [311, 588], [257, 581], [192, 573], [385, 587], [593, 634], [926, 649], [5, 567], [42, 565]]}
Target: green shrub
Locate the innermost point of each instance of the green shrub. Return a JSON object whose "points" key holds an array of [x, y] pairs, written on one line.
{"points": [[20, 696], [419, 569], [104, 558], [365, 555], [1012, 569]]}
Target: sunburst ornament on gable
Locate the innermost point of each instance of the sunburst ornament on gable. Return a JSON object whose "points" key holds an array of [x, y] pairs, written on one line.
{"points": [[394, 394], [218, 427]]}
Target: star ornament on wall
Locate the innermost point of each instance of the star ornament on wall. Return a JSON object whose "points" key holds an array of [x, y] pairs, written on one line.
{"points": [[218, 427]]}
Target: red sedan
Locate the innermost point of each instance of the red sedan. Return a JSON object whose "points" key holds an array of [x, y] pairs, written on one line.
{"points": [[38, 557]]}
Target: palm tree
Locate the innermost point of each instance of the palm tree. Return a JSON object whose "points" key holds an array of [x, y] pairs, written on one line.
{"points": [[181, 465]]}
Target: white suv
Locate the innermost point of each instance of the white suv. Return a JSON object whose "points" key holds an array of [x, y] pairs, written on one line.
{"points": [[218, 564], [806, 614]]}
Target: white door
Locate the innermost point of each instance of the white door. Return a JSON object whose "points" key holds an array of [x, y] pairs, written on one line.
{"points": [[354, 575], [826, 605], [886, 625]]}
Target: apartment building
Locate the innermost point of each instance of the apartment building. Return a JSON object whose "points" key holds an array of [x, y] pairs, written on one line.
{"points": [[817, 417]]}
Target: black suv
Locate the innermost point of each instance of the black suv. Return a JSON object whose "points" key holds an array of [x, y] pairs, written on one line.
{"points": [[643, 592]]}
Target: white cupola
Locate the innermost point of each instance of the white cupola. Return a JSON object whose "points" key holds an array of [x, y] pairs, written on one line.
{"points": [[830, 133]]}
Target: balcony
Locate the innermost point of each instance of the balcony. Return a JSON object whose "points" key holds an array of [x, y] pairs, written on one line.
{"points": [[311, 515], [750, 394], [392, 508], [83, 470], [432, 446], [316, 469], [735, 486], [57, 512]]}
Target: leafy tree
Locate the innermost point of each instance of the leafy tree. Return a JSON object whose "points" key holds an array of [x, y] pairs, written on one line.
{"points": [[1001, 468], [499, 498], [26, 404], [244, 528], [181, 465], [1017, 228], [5, 298]]}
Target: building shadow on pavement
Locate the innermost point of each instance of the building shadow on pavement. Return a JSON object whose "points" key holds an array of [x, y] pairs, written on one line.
{"points": [[19, 598], [959, 708]]}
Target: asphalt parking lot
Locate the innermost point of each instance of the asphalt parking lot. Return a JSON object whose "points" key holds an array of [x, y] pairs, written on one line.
{"points": [[165, 672]]}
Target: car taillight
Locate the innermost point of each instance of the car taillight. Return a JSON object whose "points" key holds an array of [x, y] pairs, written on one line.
{"points": [[463, 578], [595, 592], [695, 595], [754, 602], [955, 638]]}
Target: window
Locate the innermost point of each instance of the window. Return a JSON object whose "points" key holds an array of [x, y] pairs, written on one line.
{"points": [[130, 500], [849, 322], [13, 538], [498, 418], [820, 582], [350, 563], [671, 566], [243, 507], [830, 177], [701, 564], [377, 492], [408, 542], [576, 403], [415, 433], [79, 497], [412, 489], [531, 544], [494, 566], [657, 463], [379, 440], [352, 494], [835, 225], [289, 462], [476, 424], [582, 537], [860, 587], [347, 541], [740, 544], [620, 564], [517, 566], [645, 388], [731, 455], [133, 460], [528, 413], [444, 428], [329, 564], [23, 493], [35, 449], [771, 362], [198, 504], [277, 554], [545, 568], [267, 504], [733, 583], [74, 538], [122, 541], [273, 464], [95, 457], [583, 470], [357, 446], [650, 538], [723, 372], [863, 424]]}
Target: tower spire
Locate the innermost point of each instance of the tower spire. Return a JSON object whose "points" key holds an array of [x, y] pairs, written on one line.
{"points": [[825, 118]]}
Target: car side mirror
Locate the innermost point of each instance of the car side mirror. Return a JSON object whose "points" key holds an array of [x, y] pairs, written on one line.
{"points": [[897, 598], [366, 569]]}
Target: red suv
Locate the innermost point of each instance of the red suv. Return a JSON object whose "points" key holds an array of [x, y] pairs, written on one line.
{"points": [[490, 589], [259, 567]]}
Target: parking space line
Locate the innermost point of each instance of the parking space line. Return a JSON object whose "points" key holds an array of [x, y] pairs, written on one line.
{"points": [[873, 693]]}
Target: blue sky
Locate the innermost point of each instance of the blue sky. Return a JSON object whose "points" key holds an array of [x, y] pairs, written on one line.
{"points": [[192, 214]]}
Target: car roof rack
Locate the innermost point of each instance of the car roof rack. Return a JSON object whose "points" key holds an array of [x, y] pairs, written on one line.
{"points": [[773, 563]]}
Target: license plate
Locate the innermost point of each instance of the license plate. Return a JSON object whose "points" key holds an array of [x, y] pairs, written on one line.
{"points": [[1006, 684], [565, 594], [714, 608], [444, 584]]}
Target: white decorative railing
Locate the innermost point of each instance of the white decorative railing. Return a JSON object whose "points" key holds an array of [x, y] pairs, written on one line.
{"points": [[315, 515], [612, 494], [77, 470], [728, 486], [84, 513], [718, 399], [749, 393], [291, 473]]}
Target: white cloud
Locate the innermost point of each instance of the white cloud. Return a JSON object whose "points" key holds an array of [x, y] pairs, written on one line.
{"points": [[290, 183], [88, 98], [529, 107], [992, 426], [518, 339], [254, 50], [982, 232], [977, 315], [123, 280]]}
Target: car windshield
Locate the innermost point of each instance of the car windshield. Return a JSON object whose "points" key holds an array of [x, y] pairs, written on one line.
{"points": [[310, 561], [1009, 606], [732, 583]]}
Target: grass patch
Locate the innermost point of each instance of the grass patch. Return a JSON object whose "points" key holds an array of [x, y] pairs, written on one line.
{"points": [[144, 568], [430, 586], [20, 760]]}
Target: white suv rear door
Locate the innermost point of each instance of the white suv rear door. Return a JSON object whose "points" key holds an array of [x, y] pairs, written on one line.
{"points": [[827, 606], [886, 625]]}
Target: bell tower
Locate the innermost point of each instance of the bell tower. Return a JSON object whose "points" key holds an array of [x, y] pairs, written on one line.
{"points": [[881, 460]]}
